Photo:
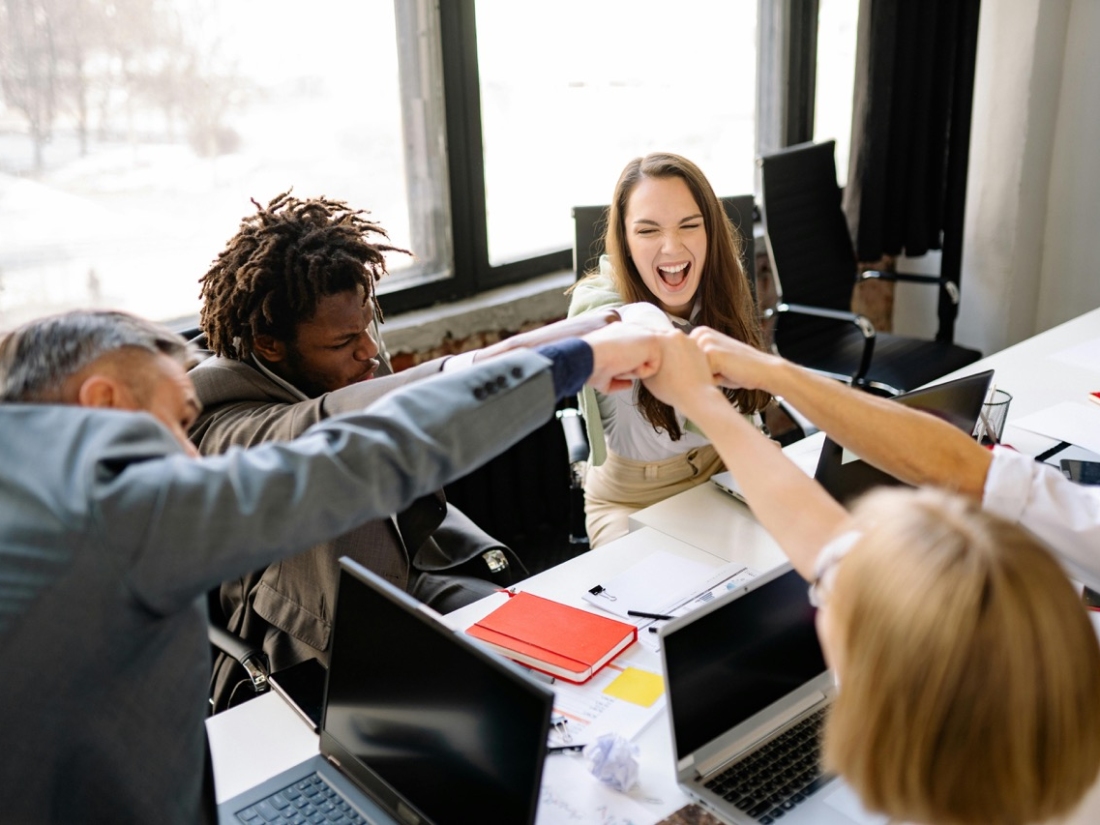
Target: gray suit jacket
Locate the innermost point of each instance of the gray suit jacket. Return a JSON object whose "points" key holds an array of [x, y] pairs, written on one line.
{"points": [[110, 538]]}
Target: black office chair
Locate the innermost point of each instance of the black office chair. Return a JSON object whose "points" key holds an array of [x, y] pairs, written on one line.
{"points": [[814, 264], [589, 227], [255, 671]]}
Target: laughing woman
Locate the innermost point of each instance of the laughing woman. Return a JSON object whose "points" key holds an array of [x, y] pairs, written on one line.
{"points": [[671, 251]]}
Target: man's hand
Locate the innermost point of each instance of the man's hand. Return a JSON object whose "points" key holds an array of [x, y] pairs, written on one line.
{"points": [[734, 364], [622, 353]]}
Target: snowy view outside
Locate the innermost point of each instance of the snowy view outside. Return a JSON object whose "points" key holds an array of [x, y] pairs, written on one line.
{"points": [[130, 148], [607, 82], [135, 218]]}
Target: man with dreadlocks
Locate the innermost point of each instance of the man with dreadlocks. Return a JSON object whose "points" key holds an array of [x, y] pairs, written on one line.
{"points": [[290, 314]]}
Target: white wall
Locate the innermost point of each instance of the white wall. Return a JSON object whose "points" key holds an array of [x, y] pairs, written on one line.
{"points": [[1070, 274], [1033, 194]]}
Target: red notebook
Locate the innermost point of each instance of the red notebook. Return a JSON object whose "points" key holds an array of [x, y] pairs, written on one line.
{"points": [[564, 641]]}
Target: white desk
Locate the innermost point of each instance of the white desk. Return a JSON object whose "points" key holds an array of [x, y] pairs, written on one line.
{"points": [[254, 741], [265, 736], [714, 521]]}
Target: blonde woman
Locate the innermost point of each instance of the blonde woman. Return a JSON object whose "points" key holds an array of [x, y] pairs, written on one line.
{"points": [[670, 250], [968, 671]]}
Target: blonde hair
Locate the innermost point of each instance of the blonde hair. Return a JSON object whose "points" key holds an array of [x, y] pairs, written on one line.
{"points": [[969, 671]]}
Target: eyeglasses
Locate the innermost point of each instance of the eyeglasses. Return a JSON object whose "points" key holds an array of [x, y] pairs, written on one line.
{"points": [[825, 567]]}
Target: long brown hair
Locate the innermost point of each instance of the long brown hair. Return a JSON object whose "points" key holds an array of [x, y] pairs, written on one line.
{"points": [[725, 297]]}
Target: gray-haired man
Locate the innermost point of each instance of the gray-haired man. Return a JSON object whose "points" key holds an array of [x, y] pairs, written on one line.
{"points": [[111, 531]]}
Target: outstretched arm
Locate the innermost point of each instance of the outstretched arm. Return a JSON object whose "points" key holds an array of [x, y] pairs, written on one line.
{"points": [[773, 485], [550, 333], [913, 446], [184, 525]]}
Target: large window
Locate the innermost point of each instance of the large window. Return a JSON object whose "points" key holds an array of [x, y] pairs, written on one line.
{"points": [[596, 84], [133, 133], [836, 67]]}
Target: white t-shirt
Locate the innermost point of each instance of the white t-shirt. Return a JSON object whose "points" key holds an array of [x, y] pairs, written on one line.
{"points": [[626, 430]]}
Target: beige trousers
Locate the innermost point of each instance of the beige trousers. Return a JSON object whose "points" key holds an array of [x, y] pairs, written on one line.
{"points": [[621, 486]]}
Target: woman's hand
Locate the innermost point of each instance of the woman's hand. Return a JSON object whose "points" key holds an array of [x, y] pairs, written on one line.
{"points": [[734, 364], [685, 378]]}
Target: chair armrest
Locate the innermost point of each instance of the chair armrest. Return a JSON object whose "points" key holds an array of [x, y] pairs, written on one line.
{"points": [[578, 448], [253, 661], [861, 322], [950, 287], [576, 441]]}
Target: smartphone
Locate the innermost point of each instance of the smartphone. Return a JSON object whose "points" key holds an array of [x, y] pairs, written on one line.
{"points": [[1083, 472], [1091, 598], [303, 687]]}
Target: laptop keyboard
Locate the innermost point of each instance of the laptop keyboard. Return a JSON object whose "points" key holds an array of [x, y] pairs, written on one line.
{"points": [[777, 776], [310, 800]]}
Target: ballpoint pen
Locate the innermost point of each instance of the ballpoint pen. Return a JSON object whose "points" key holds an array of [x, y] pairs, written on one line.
{"points": [[564, 748], [641, 614]]}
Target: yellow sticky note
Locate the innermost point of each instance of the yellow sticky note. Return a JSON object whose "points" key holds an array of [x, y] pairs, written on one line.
{"points": [[637, 686]]}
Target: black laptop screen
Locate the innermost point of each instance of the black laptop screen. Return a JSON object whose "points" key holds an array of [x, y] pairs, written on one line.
{"points": [[958, 402], [731, 663], [441, 722]]}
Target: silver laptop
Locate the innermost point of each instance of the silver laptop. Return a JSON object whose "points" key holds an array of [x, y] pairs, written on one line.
{"points": [[748, 690], [420, 724], [845, 475]]}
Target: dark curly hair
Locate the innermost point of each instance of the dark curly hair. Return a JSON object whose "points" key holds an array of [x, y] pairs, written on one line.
{"points": [[282, 260]]}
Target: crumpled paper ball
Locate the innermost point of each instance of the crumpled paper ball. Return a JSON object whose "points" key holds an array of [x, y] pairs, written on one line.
{"points": [[614, 761]]}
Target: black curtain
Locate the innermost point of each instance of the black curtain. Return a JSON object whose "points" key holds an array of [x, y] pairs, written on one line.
{"points": [[911, 130]]}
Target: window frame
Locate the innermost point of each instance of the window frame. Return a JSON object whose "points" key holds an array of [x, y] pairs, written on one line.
{"points": [[789, 56]]}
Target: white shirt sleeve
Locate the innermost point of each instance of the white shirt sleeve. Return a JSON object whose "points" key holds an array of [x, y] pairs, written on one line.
{"points": [[645, 315], [1061, 513]]}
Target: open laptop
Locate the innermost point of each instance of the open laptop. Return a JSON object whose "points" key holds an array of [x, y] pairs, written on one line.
{"points": [[747, 690], [845, 476], [420, 724]]}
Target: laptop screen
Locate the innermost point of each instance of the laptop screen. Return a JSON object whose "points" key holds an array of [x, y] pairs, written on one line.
{"points": [[958, 402], [746, 653], [424, 712]]}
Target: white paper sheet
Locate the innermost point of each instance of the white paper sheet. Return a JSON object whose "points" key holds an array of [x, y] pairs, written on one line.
{"points": [[1077, 423], [1086, 355], [570, 794], [662, 583], [590, 712]]}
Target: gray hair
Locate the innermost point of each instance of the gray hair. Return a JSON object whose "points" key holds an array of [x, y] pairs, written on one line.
{"points": [[37, 357]]}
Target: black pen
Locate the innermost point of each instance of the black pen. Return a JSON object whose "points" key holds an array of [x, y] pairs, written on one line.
{"points": [[643, 615], [564, 748]]}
